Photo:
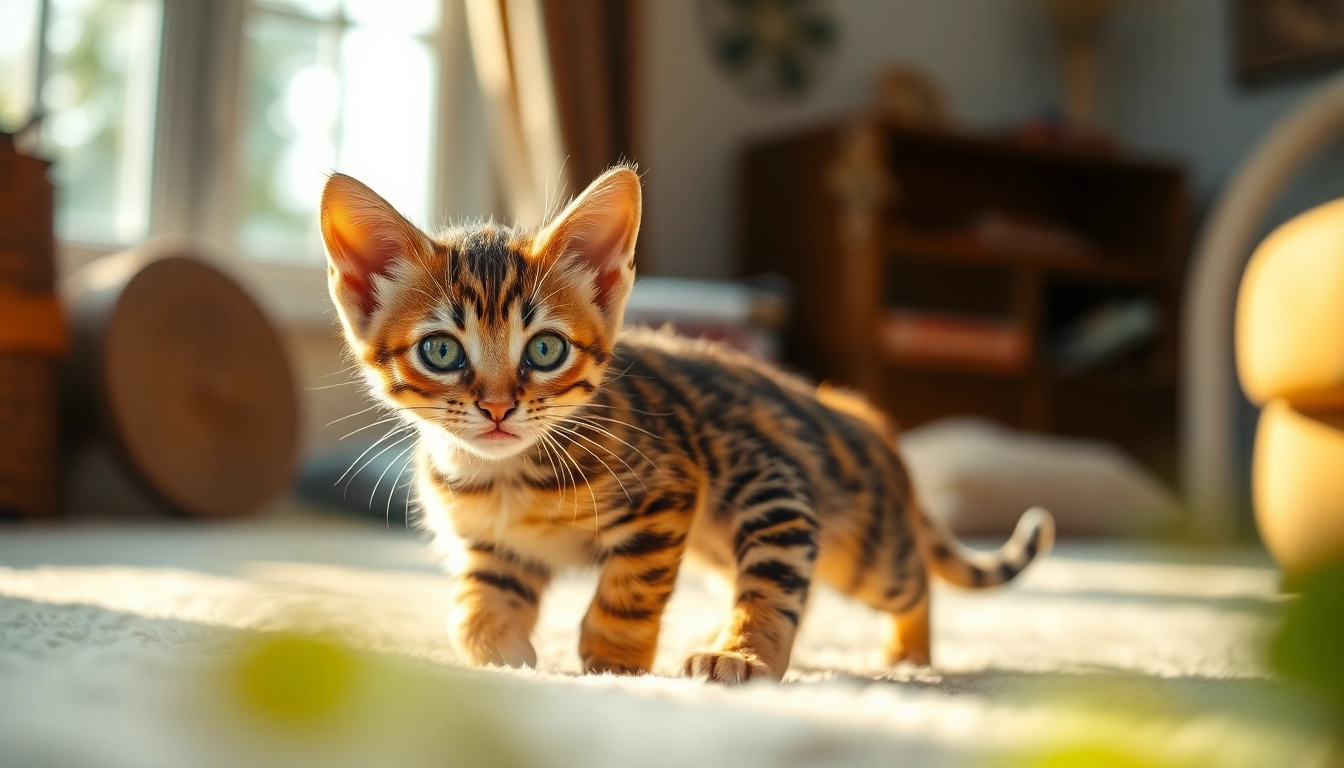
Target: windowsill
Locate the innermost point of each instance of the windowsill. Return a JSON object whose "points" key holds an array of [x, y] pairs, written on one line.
{"points": [[74, 254], [293, 296]]}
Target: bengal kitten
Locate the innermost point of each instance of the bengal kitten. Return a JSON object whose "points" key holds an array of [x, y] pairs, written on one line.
{"points": [[549, 438]]}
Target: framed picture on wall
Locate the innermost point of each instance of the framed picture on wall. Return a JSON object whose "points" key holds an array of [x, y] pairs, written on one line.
{"points": [[1286, 37]]}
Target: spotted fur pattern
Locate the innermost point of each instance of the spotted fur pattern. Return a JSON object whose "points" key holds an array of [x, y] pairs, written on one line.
{"points": [[639, 450]]}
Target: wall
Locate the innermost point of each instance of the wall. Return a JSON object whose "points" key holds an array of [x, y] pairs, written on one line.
{"points": [[334, 399], [1167, 68], [695, 121], [1166, 87]]}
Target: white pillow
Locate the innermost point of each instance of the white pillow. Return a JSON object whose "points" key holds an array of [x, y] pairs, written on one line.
{"points": [[979, 477]]}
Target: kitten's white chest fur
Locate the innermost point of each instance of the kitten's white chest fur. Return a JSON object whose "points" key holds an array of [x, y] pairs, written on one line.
{"points": [[530, 523]]}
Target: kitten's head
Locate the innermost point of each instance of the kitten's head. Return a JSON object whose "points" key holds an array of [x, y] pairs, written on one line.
{"points": [[487, 335]]}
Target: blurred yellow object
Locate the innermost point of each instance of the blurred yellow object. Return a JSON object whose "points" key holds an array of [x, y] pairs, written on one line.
{"points": [[1290, 311], [295, 678], [1098, 757], [1290, 358], [1299, 485]]}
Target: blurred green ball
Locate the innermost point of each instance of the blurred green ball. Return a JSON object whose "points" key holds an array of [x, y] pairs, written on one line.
{"points": [[295, 678], [1096, 757]]}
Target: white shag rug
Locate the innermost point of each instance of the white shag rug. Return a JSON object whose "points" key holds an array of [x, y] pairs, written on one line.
{"points": [[129, 646]]}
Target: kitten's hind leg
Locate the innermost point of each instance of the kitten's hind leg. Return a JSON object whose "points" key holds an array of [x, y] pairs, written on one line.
{"points": [[776, 549], [893, 578], [908, 632], [903, 594]]}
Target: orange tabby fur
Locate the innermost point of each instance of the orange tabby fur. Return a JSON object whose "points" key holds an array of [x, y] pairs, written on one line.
{"points": [[635, 451]]}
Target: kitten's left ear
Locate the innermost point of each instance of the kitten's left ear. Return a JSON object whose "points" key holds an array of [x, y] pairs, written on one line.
{"points": [[599, 228], [365, 236]]}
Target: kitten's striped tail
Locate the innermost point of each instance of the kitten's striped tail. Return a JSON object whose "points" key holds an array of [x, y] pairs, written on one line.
{"points": [[953, 562]]}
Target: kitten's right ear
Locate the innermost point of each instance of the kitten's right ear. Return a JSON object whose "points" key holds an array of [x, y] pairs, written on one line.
{"points": [[599, 228], [364, 236]]}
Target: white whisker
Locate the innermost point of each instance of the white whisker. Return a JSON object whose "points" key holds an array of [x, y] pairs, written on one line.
{"points": [[601, 405], [353, 415], [377, 423], [537, 287], [346, 369], [615, 421], [374, 458], [550, 442], [332, 386], [569, 461], [608, 433], [613, 474], [386, 435], [618, 457], [379, 482], [555, 472], [591, 494]]}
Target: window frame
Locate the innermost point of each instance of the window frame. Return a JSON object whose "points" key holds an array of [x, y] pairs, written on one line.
{"points": [[196, 167]]}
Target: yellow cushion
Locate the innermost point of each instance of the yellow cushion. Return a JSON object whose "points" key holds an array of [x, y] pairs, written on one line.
{"points": [[1290, 312], [1298, 484]]}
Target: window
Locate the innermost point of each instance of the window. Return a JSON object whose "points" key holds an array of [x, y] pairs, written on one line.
{"points": [[332, 84], [219, 120], [95, 79]]}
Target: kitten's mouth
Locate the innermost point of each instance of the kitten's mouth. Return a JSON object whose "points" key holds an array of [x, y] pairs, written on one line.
{"points": [[498, 434]]}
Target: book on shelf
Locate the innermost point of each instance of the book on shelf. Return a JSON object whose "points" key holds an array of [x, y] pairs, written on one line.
{"points": [[1106, 334], [998, 232], [1001, 231], [917, 335]]}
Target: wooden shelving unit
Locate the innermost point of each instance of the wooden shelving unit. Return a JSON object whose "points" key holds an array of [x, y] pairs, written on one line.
{"points": [[864, 216]]}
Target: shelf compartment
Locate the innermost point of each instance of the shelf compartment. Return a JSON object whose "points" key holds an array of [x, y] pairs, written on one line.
{"points": [[963, 250]]}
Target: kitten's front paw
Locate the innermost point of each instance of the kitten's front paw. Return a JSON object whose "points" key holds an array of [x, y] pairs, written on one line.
{"points": [[595, 666], [914, 656], [485, 646], [515, 652], [724, 667]]}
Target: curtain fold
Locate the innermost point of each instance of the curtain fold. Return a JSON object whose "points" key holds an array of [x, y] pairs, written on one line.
{"points": [[594, 63], [559, 79], [508, 46]]}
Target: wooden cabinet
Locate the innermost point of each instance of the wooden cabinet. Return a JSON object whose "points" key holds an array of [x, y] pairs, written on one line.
{"points": [[875, 224]]}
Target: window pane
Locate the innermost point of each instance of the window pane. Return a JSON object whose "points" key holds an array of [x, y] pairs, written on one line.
{"points": [[315, 9], [323, 96], [292, 99], [99, 95], [406, 16], [18, 61], [387, 117]]}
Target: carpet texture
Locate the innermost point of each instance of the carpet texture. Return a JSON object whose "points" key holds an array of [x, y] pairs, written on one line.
{"points": [[124, 646]]}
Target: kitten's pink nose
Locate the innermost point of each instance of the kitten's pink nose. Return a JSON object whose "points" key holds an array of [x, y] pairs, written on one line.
{"points": [[497, 410]]}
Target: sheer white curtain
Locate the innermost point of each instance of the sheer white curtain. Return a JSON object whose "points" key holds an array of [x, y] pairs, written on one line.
{"points": [[508, 40]]}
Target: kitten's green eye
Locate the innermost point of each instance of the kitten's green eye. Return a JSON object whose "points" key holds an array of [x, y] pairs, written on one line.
{"points": [[545, 351], [442, 353]]}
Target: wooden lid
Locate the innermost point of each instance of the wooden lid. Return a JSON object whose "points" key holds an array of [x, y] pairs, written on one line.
{"points": [[197, 389]]}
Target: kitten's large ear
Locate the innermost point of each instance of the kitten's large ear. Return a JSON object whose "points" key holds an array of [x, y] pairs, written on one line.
{"points": [[364, 236], [599, 228]]}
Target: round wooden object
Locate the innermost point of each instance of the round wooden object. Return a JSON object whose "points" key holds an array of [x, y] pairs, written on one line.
{"points": [[189, 381]]}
